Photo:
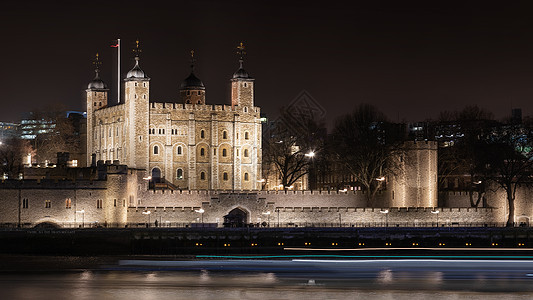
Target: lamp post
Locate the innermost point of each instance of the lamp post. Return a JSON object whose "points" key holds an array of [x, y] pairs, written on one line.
{"points": [[386, 213], [147, 212], [201, 212], [82, 212], [436, 212], [268, 217]]}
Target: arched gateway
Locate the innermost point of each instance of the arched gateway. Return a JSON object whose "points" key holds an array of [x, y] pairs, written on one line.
{"points": [[237, 217]]}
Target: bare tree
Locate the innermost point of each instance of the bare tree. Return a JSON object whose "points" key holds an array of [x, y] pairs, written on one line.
{"points": [[367, 143], [12, 153]]}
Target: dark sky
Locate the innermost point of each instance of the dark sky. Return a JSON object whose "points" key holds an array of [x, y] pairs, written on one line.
{"points": [[410, 59]]}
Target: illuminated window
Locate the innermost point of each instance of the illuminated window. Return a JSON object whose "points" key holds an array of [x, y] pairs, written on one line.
{"points": [[68, 203], [47, 204], [179, 174]]}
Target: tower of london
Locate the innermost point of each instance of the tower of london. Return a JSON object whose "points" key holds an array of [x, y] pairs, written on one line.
{"points": [[189, 143]]}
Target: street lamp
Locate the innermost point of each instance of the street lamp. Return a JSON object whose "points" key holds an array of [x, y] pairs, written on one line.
{"points": [[201, 211], [386, 213], [82, 212], [147, 212], [436, 212], [268, 217]]}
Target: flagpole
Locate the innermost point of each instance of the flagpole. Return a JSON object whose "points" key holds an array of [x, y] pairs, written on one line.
{"points": [[118, 73]]}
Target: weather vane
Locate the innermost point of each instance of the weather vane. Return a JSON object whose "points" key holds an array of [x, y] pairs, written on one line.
{"points": [[97, 62], [240, 51], [193, 60], [137, 50]]}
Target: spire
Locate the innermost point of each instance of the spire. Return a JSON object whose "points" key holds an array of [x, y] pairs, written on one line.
{"points": [[192, 82], [241, 73], [241, 53], [97, 83], [136, 72]]}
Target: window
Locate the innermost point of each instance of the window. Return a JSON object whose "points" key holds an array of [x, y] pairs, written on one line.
{"points": [[224, 152], [245, 84], [246, 177], [136, 84], [246, 135], [179, 150], [25, 203], [68, 203], [156, 150], [225, 176], [99, 203], [115, 202], [224, 135], [179, 174], [202, 152], [214, 151], [202, 176], [188, 93], [132, 200], [144, 84], [110, 132], [202, 134], [47, 204], [245, 109], [159, 130], [245, 152], [199, 93]]}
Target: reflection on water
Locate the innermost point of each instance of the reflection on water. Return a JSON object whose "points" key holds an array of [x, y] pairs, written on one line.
{"points": [[334, 280]]}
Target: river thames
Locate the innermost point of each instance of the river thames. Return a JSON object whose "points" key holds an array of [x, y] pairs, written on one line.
{"points": [[276, 279]]}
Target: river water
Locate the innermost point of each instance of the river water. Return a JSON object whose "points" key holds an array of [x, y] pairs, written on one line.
{"points": [[291, 279]]}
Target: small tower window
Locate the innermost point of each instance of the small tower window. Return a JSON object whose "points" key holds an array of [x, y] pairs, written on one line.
{"points": [[202, 176], [144, 96], [188, 93], [246, 135], [156, 150], [179, 174], [144, 84], [245, 84], [136, 84], [202, 134], [199, 93], [179, 150], [246, 177], [47, 204], [225, 176], [202, 152], [68, 203], [245, 152], [224, 135], [224, 152]]}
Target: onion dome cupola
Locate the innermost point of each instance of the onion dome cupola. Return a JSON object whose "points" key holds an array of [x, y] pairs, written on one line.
{"points": [[97, 83], [241, 73], [192, 89], [136, 72]]}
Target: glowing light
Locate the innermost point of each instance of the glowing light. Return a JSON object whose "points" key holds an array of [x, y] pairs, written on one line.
{"points": [[310, 154]]}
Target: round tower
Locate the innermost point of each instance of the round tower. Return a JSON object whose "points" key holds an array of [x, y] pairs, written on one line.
{"points": [[192, 89], [96, 99]]}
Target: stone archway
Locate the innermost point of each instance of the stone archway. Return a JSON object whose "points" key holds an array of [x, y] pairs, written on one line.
{"points": [[156, 175], [237, 217], [523, 221], [46, 225]]}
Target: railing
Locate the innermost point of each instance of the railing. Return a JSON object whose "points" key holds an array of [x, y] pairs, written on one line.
{"points": [[261, 225]]}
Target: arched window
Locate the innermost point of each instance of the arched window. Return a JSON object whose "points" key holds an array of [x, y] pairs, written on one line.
{"points": [[202, 176], [179, 174], [245, 152], [225, 176], [179, 150], [156, 150], [202, 152], [224, 152], [246, 177], [202, 134], [246, 135], [224, 135]]}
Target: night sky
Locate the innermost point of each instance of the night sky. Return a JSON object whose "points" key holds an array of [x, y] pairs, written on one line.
{"points": [[411, 60]]}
